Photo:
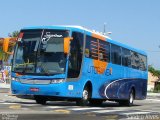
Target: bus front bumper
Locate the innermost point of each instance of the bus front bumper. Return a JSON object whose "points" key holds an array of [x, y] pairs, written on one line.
{"points": [[59, 89]]}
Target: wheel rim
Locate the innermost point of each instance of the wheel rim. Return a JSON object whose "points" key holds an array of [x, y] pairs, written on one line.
{"points": [[131, 98], [85, 94]]}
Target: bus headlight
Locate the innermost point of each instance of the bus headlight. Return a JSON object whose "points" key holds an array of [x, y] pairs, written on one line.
{"points": [[16, 79], [57, 81]]}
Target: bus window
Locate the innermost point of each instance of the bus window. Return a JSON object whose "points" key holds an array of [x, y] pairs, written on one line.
{"points": [[135, 63], [91, 50], [75, 58], [126, 61], [143, 62], [115, 54], [104, 51]]}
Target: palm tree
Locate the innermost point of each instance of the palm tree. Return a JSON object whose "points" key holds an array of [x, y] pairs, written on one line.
{"points": [[13, 34]]}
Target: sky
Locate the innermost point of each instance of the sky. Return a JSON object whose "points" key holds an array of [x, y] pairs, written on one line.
{"points": [[132, 22]]}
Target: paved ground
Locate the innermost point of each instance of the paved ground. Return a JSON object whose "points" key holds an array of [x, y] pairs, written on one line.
{"points": [[4, 88], [28, 109]]}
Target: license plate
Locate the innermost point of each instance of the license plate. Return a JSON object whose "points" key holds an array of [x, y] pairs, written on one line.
{"points": [[34, 89]]}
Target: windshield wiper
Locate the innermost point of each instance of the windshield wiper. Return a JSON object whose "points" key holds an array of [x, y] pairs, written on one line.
{"points": [[41, 69], [48, 74], [27, 67]]}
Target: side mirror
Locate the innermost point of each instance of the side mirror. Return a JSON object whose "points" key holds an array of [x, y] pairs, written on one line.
{"points": [[5, 44], [67, 44], [8, 42]]}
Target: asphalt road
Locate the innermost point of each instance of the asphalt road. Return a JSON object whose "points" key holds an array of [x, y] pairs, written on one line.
{"points": [[12, 108]]}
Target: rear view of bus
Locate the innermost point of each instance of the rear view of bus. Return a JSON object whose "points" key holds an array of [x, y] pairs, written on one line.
{"points": [[73, 63]]}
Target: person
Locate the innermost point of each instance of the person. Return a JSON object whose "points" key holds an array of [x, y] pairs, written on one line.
{"points": [[3, 76]]}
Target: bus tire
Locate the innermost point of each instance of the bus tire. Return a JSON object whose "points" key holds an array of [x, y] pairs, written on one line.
{"points": [[95, 102], [85, 97], [130, 100], [40, 100]]}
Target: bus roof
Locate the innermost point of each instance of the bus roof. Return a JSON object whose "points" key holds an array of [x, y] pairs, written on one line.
{"points": [[88, 32]]}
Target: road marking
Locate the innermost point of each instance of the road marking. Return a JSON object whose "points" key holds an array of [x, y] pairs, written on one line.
{"points": [[54, 107], [132, 113], [152, 110], [92, 108], [127, 112], [62, 111], [15, 106], [106, 111], [154, 100], [8, 103], [111, 117], [29, 105]]}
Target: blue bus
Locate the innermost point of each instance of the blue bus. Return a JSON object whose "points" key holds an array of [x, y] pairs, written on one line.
{"points": [[74, 63]]}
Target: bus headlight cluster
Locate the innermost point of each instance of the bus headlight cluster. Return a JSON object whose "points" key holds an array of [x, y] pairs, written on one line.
{"points": [[57, 81], [16, 79]]}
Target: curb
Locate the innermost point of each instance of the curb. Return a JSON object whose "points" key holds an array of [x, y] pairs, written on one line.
{"points": [[153, 94], [4, 87], [4, 90]]}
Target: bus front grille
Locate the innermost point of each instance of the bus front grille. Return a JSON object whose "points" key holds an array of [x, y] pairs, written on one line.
{"points": [[30, 81]]}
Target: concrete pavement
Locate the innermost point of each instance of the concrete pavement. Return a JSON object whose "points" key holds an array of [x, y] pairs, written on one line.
{"points": [[27, 109], [151, 95], [4, 88], [11, 105]]}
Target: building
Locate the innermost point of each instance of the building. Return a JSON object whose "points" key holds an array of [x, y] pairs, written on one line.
{"points": [[151, 81]]}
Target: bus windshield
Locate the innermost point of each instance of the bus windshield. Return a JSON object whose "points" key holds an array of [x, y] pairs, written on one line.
{"points": [[40, 52]]}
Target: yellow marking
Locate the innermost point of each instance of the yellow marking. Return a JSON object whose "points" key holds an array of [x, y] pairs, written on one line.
{"points": [[111, 117], [15, 106], [62, 111], [90, 114]]}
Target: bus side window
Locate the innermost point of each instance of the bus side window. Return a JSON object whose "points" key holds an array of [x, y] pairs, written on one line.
{"points": [[75, 58], [135, 60], [104, 51], [126, 55], [115, 54], [143, 62], [91, 49]]}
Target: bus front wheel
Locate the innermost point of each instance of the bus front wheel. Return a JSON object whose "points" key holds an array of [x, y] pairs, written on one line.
{"points": [[85, 98], [40, 100]]}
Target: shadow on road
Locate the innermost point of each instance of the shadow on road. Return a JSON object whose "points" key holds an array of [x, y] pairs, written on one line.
{"points": [[68, 103]]}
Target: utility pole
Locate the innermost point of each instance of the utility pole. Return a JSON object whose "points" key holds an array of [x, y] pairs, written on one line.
{"points": [[104, 30]]}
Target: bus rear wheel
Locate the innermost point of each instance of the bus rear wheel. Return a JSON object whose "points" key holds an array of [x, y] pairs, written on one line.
{"points": [[40, 100], [85, 98], [128, 102]]}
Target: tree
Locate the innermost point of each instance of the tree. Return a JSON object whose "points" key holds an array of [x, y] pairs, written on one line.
{"points": [[154, 71], [14, 34]]}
